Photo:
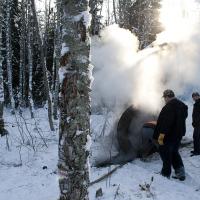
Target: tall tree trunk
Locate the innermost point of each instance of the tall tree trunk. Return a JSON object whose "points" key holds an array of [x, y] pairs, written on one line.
{"points": [[95, 10], [43, 66], [9, 52], [30, 58], [22, 55], [56, 62], [75, 105], [2, 130], [114, 12]]}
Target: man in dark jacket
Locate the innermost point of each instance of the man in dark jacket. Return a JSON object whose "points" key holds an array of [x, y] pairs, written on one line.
{"points": [[196, 124], [169, 131]]}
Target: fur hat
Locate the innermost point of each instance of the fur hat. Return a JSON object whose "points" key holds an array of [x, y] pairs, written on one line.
{"points": [[168, 93], [195, 94]]}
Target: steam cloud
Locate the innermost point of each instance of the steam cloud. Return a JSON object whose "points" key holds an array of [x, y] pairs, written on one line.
{"points": [[124, 76]]}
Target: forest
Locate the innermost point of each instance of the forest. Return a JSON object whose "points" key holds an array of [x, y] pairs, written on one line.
{"points": [[69, 72]]}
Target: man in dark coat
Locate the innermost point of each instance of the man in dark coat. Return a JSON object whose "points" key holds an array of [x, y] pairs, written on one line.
{"points": [[169, 131], [196, 124]]}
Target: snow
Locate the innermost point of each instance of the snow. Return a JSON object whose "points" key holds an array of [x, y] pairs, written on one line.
{"points": [[28, 168], [86, 18], [124, 183], [22, 173], [62, 71], [29, 154], [64, 49]]}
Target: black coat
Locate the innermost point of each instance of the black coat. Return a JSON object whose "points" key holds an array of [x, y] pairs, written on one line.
{"points": [[171, 121], [196, 114]]}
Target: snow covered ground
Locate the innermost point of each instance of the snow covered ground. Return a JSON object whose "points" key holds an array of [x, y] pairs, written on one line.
{"points": [[131, 181], [28, 168], [28, 158]]}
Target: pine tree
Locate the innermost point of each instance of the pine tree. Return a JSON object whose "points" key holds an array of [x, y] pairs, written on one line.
{"points": [[144, 19], [75, 106]]}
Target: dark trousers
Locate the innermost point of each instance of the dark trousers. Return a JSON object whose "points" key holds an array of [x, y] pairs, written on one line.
{"points": [[170, 157], [196, 139]]}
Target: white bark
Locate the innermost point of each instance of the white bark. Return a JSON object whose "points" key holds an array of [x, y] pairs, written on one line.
{"points": [[57, 49], [1, 56], [9, 52], [2, 129], [30, 60], [75, 105], [22, 55]]}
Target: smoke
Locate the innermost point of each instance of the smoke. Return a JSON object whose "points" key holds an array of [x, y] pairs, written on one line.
{"points": [[124, 76], [112, 56]]}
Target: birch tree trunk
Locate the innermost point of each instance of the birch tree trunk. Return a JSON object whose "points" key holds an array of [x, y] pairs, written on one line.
{"points": [[1, 75], [56, 61], [75, 105], [30, 59], [22, 55], [9, 52]]}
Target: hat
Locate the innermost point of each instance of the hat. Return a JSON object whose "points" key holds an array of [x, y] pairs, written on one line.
{"points": [[168, 93], [195, 94]]}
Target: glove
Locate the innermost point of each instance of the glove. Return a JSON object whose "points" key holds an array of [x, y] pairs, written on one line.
{"points": [[161, 138]]}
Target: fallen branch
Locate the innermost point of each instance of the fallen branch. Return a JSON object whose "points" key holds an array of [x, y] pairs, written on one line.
{"points": [[106, 175]]}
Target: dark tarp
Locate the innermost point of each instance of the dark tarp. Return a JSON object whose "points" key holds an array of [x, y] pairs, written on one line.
{"points": [[134, 135]]}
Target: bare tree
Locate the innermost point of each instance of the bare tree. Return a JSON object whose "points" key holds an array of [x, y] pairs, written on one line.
{"points": [[22, 42], [57, 49], [2, 130], [9, 52], [95, 10], [30, 58], [75, 105], [43, 65], [114, 12]]}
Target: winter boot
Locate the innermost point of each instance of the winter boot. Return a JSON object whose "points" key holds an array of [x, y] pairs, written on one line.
{"points": [[180, 174]]}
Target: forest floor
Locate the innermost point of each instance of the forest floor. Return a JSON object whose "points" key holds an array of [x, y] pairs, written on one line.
{"points": [[140, 179], [28, 166], [28, 158]]}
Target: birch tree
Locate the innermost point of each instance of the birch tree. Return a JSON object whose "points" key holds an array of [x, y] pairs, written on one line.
{"points": [[30, 58], [9, 52], [57, 49], [22, 83], [75, 106], [2, 131]]}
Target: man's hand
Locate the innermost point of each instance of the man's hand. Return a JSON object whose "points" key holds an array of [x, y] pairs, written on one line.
{"points": [[161, 138]]}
